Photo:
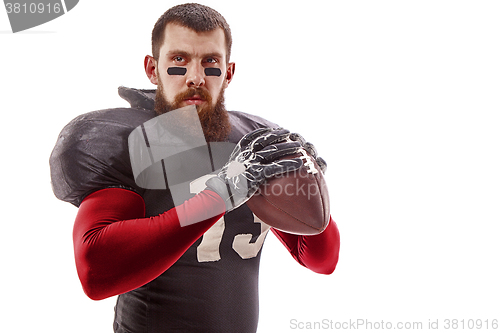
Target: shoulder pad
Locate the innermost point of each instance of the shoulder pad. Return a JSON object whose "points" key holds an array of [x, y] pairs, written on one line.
{"points": [[138, 98], [91, 153]]}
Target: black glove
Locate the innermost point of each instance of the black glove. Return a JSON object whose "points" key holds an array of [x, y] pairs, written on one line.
{"points": [[253, 160], [309, 147]]}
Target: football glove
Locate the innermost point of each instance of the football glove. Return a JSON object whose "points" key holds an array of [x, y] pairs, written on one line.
{"points": [[256, 157]]}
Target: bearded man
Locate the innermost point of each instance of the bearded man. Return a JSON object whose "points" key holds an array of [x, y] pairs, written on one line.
{"points": [[200, 276]]}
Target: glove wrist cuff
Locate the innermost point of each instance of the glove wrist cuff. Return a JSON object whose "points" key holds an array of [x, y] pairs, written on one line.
{"points": [[216, 185]]}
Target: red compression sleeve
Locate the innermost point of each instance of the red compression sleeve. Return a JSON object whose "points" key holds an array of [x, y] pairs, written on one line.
{"points": [[319, 253], [118, 250]]}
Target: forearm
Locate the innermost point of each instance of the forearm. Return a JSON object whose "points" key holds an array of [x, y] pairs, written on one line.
{"points": [[118, 250], [318, 253]]}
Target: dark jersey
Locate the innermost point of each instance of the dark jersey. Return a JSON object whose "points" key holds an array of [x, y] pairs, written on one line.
{"points": [[213, 287]]}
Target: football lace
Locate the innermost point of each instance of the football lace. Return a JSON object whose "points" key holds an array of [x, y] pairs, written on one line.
{"points": [[308, 162]]}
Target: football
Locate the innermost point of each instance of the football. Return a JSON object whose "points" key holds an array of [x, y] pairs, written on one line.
{"points": [[296, 202]]}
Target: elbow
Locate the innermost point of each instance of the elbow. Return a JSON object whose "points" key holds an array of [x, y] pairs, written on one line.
{"points": [[328, 270], [94, 274], [94, 295], [327, 267], [326, 262], [99, 281], [94, 278], [94, 292], [331, 264], [91, 285]]}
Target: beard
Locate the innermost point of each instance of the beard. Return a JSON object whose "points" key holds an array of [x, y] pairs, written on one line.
{"points": [[214, 119]]}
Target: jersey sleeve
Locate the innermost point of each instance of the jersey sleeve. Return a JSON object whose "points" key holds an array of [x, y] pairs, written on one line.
{"points": [[319, 253], [117, 249], [91, 153]]}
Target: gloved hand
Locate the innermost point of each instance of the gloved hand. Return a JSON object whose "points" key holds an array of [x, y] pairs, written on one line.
{"points": [[253, 160], [309, 147]]}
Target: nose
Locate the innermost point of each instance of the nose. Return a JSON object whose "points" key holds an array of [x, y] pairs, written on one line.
{"points": [[195, 76]]}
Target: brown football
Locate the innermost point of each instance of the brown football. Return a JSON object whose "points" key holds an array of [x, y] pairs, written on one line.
{"points": [[296, 202]]}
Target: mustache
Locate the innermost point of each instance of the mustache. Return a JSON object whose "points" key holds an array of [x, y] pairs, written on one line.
{"points": [[191, 92]]}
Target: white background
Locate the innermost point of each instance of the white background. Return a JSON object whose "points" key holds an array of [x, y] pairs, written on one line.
{"points": [[400, 97]]}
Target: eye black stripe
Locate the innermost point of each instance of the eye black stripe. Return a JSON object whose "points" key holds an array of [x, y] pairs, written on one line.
{"points": [[183, 70], [213, 72], [176, 71]]}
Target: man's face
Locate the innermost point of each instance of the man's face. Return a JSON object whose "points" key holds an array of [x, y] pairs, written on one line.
{"points": [[183, 47]]}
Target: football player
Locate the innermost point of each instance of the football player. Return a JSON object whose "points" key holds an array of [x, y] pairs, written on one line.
{"points": [[188, 265]]}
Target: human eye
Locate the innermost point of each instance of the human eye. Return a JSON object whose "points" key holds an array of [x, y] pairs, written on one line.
{"points": [[211, 60], [178, 59]]}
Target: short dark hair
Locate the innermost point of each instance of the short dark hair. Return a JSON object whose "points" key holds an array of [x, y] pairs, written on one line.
{"points": [[194, 16]]}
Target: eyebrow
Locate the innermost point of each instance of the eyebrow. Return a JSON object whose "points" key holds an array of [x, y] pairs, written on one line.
{"points": [[189, 55]]}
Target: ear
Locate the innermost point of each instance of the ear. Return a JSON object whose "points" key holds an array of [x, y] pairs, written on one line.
{"points": [[229, 73], [150, 68]]}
